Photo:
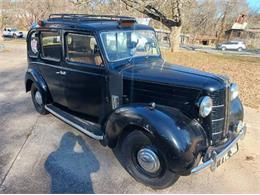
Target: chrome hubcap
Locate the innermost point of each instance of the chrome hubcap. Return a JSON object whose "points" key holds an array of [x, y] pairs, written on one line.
{"points": [[148, 160], [38, 98]]}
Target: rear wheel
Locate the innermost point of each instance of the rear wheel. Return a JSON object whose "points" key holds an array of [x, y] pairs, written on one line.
{"points": [[144, 161], [38, 100], [223, 48]]}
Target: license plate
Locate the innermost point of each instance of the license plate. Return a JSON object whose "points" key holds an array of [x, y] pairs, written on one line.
{"points": [[228, 155]]}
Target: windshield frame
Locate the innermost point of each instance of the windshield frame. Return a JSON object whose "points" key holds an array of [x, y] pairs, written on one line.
{"points": [[134, 56]]}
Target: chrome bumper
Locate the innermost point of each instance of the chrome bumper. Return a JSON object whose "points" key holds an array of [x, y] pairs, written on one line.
{"points": [[212, 162]]}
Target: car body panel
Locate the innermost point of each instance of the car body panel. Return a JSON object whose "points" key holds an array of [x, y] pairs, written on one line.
{"points": [[232, 45]]}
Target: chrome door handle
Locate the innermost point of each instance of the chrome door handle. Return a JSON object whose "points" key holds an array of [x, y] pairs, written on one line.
{"points": [[63, 72]]}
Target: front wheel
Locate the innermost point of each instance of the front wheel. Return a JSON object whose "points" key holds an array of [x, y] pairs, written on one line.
{"points": [[240, 49], [38, 100], [145, 162]]}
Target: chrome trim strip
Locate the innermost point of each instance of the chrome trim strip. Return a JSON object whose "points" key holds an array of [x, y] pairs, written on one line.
{"points": [[215, 157], [220, 119], [85, 131], [217, 133], [218, 106]]}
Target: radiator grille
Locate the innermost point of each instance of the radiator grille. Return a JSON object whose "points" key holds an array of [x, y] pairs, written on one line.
{"points": [[219, 115]]}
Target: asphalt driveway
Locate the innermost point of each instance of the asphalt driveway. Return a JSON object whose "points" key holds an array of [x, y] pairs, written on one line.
{"points": [[41, 154]]}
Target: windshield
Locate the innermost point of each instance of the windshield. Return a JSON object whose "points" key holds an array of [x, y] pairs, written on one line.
{"points": [[121, 45]]}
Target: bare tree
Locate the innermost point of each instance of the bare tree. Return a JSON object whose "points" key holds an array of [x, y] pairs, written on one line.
{"points": [[201, 18], [167, 12], [6, 12], [229, 11]]}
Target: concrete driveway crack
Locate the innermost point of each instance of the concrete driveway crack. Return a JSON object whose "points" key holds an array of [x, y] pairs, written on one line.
{"points": [[19, 151]]}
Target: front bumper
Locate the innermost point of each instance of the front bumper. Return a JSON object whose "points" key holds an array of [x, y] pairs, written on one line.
{"points": [[217, 153]]}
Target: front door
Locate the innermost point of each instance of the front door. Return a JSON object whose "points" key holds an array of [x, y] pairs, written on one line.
{"points": [[85, 83]]}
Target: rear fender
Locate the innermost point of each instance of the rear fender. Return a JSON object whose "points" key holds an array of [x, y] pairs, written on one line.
{"points": [[34, 77], [181, 139]]}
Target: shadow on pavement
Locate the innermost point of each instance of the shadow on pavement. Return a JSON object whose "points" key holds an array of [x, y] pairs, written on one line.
{"points": [[71, 165]]}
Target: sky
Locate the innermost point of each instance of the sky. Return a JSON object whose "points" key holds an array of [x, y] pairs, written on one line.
{"points": [[254, 4]]}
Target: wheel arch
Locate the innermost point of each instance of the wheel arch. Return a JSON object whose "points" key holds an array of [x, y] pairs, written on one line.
{"points": [[181, 138], [28, 85], [34, 77]]}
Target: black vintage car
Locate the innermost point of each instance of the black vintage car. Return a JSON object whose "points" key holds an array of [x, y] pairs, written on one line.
{"points": [[105, 76]]}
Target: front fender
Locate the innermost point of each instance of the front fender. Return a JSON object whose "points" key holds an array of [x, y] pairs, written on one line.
{"points": [[180, 138]]}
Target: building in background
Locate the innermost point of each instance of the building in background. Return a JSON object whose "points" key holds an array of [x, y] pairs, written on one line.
{"points": [[247, 32]]}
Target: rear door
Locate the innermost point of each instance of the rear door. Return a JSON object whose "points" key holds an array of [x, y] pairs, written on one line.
{"points": [[50, 65], [85, 83]]}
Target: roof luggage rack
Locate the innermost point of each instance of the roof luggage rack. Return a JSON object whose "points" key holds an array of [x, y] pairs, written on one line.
{"points": [[86, 17]]}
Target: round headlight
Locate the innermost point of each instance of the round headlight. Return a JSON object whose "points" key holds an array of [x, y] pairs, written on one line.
{"points": [[234, 91], [205, 106]]}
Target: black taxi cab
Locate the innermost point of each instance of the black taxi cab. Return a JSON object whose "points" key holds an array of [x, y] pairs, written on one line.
{"points": [[105, 76]]}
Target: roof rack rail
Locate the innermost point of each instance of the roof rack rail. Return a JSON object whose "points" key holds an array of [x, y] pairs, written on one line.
{"points": [[89, 17]]}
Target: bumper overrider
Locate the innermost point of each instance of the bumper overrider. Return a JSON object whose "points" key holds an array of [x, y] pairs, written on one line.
{"points": [[216, 154]]}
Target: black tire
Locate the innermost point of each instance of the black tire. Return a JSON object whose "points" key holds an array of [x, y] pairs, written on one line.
{"points": [[126, 152], [40, 108], [223, 48], [240, 49]]}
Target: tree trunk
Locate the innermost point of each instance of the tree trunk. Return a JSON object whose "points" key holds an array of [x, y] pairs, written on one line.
{"points": [[175, 38]]}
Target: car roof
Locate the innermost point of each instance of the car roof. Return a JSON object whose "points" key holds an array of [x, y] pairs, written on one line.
{"points": [[236, 41], [91, 22]]}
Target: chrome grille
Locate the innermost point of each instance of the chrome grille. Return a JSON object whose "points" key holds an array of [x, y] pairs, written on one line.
{"points": [[219, 114]]}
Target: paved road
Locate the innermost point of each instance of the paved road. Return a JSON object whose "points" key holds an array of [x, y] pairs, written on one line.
{"points": [[41, 154], [250, 53]]}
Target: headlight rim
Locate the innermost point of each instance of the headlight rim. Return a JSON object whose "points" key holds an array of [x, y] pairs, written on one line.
{"points": [[203, 101]]}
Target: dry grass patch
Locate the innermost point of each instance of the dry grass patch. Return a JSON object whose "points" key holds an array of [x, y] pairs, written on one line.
{"points": [[243, 70]]}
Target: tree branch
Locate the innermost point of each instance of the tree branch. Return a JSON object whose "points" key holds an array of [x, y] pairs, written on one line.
{"points": [[149, 10]]}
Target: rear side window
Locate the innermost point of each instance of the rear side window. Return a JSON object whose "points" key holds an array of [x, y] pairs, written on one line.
{"points": [[82, 49], [33, 45], [51, 45]]}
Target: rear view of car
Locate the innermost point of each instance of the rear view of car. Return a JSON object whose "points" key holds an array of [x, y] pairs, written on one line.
{"points": [[232, 45]]}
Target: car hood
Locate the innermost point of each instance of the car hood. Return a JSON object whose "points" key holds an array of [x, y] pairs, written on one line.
{"points": [[159, 71]]}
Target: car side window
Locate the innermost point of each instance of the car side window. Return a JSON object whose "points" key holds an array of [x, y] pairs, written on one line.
{"points": [[82, 49], [33, 45], [51, 46]]}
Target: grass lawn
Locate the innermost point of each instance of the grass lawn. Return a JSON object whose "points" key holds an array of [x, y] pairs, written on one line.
{"points": [[243, 70]]}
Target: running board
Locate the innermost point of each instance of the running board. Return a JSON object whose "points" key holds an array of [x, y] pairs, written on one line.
{"points": [[91, 129]]}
